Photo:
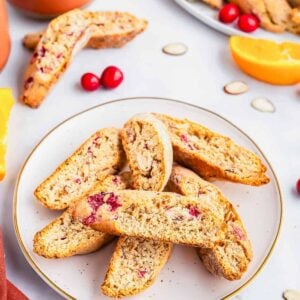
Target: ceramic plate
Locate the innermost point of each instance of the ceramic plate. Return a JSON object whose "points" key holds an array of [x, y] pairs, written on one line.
{"points": [[208, 16], [184, 277]]}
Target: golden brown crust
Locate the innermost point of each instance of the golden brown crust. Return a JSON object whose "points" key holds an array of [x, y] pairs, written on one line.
{"points": [[212, 155], [98, 157], [230, 256], [128, 276], [64, 36]]}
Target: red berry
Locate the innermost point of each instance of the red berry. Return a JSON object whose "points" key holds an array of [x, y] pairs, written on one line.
{"points": [[112, 77], [90, 82], [298, 186], [228, 13], [248, 22]]}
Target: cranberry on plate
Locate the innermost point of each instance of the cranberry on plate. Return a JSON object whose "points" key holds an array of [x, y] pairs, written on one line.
{"points": [[90, 82], [248, 22], [229, 13], [111, 77], [298, 186]]}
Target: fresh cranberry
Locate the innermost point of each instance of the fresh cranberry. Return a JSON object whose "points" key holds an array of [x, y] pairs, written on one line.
{"points": [[248, 22], [90, 82], [111, 77], [298, 186], [229, 13]]}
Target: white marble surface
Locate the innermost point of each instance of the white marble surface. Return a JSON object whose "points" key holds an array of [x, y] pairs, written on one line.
{"points": [[197, 77]]}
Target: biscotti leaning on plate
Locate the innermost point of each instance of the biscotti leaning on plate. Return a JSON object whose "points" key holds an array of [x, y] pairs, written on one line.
{"points": [[101, 155], [136, 262], [231, 256], [167, 217], [212, 155], [66, 237], [66, 35]]}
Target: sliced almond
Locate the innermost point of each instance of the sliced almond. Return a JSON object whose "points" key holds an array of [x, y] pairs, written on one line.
{"points": [[291, 295], [236, 88], [175, 49], [263, 105]]}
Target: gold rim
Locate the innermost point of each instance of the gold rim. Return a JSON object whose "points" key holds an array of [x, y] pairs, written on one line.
{"points": [[67, 295]]}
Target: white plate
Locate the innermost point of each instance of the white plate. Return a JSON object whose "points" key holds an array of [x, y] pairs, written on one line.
{"points": [[209, 15], [183, 277]]}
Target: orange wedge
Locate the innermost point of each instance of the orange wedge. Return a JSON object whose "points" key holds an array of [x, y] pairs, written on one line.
{"points": [[6, 103], [266, 60]]}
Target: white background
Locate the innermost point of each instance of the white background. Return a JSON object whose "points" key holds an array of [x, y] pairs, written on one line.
{"points": [[197, 77]]}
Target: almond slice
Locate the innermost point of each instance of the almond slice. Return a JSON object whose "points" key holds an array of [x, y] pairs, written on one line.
{"points": [[263, 104], [236, 88], [291, 295], [175, 49]]}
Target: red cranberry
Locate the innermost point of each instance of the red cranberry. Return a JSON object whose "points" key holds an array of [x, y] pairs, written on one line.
{"points": [[141, 273], [90, 82], [113, 202], [111, 77], [229, 13], [193, 211], [95, 201], [89, 220], [237, 231], [248, 22], [298, 186], [184, 138]]}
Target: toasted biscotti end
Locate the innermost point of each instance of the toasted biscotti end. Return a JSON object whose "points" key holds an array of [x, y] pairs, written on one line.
{"points": [[212, 155], [134, 266], [149, 152], [167, 217], [64, 36], [294, 22], [231, 255], [66, 237], [101, 155]]}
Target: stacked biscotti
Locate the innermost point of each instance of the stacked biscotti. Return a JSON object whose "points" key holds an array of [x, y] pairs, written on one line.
{"points": [[66, 35], [155, 205]]}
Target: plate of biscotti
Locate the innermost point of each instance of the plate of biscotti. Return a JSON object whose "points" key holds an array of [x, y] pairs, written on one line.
{"points": [[147, 198], [279, 20]]}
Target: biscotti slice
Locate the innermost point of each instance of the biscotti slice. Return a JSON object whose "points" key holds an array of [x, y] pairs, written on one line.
{"points": [[101, 155], [231, 256], [168, 217], [65, 36], [273, 15], [134, 266], [213, 155], [149, 152], [66, 237], [109, 30], [214, 3]]}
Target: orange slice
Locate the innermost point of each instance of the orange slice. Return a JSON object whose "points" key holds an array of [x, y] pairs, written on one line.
{"points": [[266, 60], [6, 103]]}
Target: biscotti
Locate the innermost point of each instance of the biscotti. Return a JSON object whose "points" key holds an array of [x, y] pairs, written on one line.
{"points": [[66, 237], [231, 256], [168, 217], [101, 155], [149, 152], [65, 36], [214, 3], [109, 30], [134, 266], [212, 155]]}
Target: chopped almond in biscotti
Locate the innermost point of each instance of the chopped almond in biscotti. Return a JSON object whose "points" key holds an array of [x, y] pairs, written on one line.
{"points": [[230, 257], [66, 237], [101, 155], [212, 155], [163, 216], [109, 30], [65, 36], [134, 266], [149, 152]]}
